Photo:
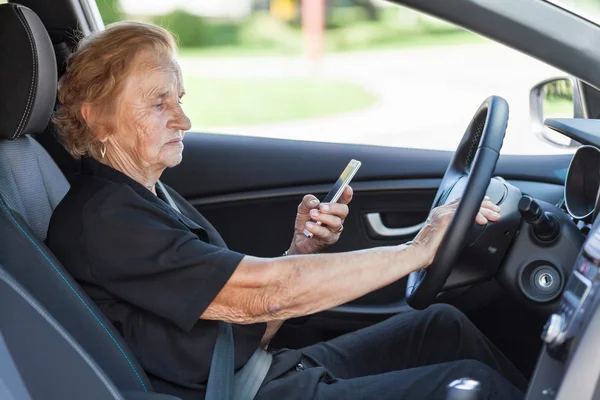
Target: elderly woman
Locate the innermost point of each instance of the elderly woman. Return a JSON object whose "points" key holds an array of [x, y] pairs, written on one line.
{"points": [[166, 279]]}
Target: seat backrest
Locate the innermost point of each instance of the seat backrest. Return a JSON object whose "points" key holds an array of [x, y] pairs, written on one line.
{"points": [[30, 187], [46, 360], [30, 182]]}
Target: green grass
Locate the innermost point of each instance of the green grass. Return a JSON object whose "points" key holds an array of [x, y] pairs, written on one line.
{"points": [[227, 102], [558, 108], [336, 43]]}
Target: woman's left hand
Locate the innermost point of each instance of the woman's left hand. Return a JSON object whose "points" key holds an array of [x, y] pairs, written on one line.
{"points": [[331, 216]]}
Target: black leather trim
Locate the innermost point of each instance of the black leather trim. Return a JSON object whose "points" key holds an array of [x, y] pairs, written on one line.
{"points": [[28, 74], [46, 80], [33, 86]]}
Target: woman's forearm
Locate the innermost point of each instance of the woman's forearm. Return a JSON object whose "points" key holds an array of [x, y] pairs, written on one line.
{"points": [[323, 281], [262, 290]]}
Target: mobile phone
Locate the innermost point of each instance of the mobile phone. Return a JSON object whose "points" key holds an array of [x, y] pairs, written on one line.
{"points": [[338, 188]]}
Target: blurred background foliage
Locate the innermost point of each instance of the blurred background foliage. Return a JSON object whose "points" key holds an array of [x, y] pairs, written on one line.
{"points": [[275, 26], [110, 11]]}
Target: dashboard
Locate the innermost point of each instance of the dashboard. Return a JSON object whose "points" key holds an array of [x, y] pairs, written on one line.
{"points": [[569, 363], [582, 184], [569, 366]]}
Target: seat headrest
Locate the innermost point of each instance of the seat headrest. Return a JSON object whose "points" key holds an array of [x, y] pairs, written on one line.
{"points": [[28, 75]]}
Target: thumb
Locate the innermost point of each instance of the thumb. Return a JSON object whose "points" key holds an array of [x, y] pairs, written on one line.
{"points": [[308, 203]]}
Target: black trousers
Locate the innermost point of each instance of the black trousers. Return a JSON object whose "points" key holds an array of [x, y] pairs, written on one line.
{"points": [[411, 356]]}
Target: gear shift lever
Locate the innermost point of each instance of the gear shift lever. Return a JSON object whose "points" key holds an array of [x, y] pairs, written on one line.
{"points": [[463, 389]]}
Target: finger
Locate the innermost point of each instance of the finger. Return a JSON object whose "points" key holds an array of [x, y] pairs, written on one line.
{"points": [[308, 203], [451, 205], [341, 210], [320, 232], [490, 215], [480, 219], [332, 222], [347, 196], [490, 205]]}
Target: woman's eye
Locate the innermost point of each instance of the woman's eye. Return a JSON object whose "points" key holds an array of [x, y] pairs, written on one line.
{"points": [[159, 106]]}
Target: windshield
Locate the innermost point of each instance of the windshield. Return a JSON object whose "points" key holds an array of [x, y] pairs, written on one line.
{"points": [[588, 9]]}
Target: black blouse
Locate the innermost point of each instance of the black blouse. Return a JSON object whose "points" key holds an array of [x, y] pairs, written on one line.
{"points": [[152, 271]]}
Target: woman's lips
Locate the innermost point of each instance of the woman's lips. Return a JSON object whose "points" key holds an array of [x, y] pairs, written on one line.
{"points": [[175, 141]]}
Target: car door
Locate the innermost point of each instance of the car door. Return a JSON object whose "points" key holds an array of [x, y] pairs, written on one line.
{"points": [[249, 188]]}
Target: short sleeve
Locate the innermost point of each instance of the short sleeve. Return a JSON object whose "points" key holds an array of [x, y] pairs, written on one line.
{"points": [[143, 255]]}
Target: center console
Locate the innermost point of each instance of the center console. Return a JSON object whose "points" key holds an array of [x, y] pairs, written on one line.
{"points": [[569, 365]]}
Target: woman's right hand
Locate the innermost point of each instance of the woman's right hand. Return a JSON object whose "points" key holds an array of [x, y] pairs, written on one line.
{"points": [[429, 238]]}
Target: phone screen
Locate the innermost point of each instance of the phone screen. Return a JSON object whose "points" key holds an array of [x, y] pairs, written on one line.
{"points": [[343, 181], [338, 188]]}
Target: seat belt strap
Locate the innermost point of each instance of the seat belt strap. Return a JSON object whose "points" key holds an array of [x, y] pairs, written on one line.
{"points": [[168, 196], [220, 376], [248, 379]]}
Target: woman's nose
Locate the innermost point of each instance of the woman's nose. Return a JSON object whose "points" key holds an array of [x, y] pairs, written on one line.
{"points": [[179, 121]]}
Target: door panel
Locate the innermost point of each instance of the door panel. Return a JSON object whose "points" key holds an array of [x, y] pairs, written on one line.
{"points": [[263, 227], [249, 189], [224, 164]]}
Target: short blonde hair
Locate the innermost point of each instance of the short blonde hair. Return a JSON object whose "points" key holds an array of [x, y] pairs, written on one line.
{"points": [[96, 74]]}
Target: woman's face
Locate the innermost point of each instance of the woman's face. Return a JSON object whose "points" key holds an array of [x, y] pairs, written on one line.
{"points": [[150, 123]]}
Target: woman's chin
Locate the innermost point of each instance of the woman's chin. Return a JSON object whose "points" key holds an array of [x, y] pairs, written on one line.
{"points": [[173, 160]]}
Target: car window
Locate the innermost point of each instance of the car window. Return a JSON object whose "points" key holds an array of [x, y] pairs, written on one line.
{"points": [[372, 73], [588, 9]]}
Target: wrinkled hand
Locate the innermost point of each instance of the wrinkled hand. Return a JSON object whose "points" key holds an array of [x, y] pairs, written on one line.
{"points": [[429, 238], [331, 215]]}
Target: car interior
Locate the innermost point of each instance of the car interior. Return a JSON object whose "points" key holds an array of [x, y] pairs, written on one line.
{"points": [[528, 282]]}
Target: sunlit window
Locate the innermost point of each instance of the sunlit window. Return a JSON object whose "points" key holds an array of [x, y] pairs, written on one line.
{"points": [[347, 71], [589, 9]]}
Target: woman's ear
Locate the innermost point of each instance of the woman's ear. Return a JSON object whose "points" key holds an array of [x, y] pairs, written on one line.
{"points": [[90, 115], [87, 111]]}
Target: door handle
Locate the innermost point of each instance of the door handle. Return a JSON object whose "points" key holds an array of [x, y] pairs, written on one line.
{"points": [[376, 223]]}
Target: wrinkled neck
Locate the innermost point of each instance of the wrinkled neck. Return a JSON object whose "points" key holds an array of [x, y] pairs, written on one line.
{"points": [[120, 160]]}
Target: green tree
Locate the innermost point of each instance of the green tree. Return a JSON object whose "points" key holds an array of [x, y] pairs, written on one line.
{"points": [[191, 30], [110, 10]]}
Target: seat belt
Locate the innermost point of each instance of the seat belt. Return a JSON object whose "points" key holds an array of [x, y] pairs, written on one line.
{"points": [[222, 385], [220, 376], [248, 379]]}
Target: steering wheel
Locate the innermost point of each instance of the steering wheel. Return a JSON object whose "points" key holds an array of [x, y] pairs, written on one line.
{"points": [[472, 165]]}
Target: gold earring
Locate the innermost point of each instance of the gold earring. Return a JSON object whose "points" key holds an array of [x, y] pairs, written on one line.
{"points": [[103, 150]]}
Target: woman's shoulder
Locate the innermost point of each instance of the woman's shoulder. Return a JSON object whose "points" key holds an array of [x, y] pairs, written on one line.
{"points": [[94, 194], [88, 194], [81, 201]]}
